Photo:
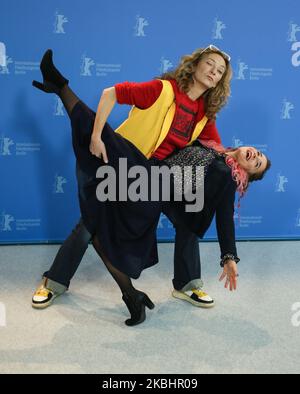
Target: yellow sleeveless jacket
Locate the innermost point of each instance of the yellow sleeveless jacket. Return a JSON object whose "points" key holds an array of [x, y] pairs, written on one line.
{"points": [[147, 128]]}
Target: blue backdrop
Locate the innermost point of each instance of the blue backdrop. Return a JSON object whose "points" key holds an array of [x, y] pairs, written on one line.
{"points": [[98, 43]]}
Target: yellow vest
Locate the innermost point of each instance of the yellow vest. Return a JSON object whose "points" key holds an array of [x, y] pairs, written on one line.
{"points": [[148, 128]]}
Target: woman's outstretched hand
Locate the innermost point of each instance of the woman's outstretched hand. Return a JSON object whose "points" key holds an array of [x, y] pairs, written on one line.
{"points": [[97, 148], [230, 272]]}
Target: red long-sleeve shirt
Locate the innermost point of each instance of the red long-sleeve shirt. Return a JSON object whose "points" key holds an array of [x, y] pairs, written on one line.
{"points": [[188, 113]]}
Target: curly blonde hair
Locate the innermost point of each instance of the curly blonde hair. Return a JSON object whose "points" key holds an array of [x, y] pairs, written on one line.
{"points": [[214, 98]]}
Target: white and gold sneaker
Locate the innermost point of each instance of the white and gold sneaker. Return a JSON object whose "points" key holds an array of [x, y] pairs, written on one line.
{"points": [[196, 297], [43, 296]]}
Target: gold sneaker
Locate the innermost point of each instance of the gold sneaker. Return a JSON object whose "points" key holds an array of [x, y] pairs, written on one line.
{"points": [[43, 297], [196, 297]]}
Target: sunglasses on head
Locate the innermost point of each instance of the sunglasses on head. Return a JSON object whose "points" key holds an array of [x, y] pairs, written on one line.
{"points": [[214, 48]]}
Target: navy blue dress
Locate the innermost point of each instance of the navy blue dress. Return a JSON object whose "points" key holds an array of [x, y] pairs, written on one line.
{"points": [[127, 230]]}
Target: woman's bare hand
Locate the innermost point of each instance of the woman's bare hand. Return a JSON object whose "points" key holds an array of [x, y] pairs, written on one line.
{"points": [[230, 272], [98, 149]]}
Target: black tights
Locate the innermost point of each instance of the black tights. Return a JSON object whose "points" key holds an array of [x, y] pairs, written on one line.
{"points": [[69, 99], [123, 281]]}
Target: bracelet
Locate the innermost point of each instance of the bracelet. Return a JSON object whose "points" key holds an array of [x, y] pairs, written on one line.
{"points": [[229, 256]]}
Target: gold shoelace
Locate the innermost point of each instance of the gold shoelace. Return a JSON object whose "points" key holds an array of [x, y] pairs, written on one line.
{"points": [[42, 291], [199, 293]]}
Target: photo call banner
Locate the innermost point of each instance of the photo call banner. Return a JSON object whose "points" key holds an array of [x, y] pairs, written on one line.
{"points": [[97, 44]]}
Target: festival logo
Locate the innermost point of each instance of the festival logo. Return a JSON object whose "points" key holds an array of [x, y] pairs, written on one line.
{"points": [[58, 184], [247, 221], [244, 72], [21, 67], [294, 28], [90, 68], [9, 223], [59, 22], [236, 142], [281, 181], [8, 147], [5, 146], [241, 69], [4, 67], [219, 26], [287, 106], [165, 65], [6, 221], [58, 107], [140, 25], [86, 65]]}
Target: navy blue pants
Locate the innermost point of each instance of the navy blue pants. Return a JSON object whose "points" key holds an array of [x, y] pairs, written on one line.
{"points": [[187, 265]]}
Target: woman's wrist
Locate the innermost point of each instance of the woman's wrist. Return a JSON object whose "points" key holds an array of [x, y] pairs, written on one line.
{"points": [[229, 257], [96, 135]]}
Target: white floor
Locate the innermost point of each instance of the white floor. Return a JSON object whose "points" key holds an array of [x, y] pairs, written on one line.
{"points": [[253, 330]]}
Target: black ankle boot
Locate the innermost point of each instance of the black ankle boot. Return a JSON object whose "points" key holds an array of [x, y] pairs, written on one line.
{"points": [[136, 303], [53, 81]]}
